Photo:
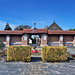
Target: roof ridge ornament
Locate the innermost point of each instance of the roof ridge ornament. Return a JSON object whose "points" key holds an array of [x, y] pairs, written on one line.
{"points": [[54, 21], [35, 26]]}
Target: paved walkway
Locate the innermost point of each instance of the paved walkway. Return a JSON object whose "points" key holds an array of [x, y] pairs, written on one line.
{"points": [[37, 68], [71, 50]]}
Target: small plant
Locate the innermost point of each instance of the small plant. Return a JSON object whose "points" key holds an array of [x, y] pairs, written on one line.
{"points": [[34, 50], [34, 47], [1, 45], [2, 51]]}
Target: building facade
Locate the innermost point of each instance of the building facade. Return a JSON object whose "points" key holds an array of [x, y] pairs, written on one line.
{"points": [[48, 38]]}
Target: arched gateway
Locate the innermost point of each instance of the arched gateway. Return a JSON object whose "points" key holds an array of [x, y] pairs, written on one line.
{"points": [[47, 37]]}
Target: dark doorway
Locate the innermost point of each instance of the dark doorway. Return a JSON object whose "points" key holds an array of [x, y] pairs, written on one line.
{"points": [[34, 39]]}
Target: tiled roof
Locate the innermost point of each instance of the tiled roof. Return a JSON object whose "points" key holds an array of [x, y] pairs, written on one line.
{"points": [[23, 31], [10, 32], [60, 32], [35, 31], [19, 32]]}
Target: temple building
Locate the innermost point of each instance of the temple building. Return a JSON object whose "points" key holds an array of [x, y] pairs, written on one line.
{"points": [[54, 26], [47, 37]]}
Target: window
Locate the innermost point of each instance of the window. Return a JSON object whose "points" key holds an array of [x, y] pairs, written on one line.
{"points": [[7, 37], [61, 38], [25, 37], [44, 37]]}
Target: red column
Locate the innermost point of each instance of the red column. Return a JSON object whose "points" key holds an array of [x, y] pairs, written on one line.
{"points": [[25, 40], [44, 40]]}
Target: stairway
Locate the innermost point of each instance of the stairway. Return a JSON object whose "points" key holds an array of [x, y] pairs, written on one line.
{"points": [[71, 50]]}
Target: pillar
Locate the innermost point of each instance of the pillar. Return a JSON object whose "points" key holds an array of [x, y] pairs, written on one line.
{"points": [[25, 40], [61, 40], [44, 40], [74, 41], [7, 40]]}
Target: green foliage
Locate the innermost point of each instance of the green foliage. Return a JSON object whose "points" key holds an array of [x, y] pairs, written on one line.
{"points": [[1, 45], [21, 27], [7, 27], [2, 52], [34, 47], [30, 44], [71, 29], [54, 53], [19, 53]]}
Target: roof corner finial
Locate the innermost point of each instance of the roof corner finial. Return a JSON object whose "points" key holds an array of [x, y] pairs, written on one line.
{"points": [[54, 21]]}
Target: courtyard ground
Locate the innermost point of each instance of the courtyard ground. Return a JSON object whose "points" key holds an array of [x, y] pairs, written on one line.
{"points": [[37, 67]]}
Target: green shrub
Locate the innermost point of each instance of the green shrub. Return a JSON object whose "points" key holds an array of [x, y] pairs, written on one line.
{"points": [[19, 53], [54, 53], [1, 44], [34, 47]]}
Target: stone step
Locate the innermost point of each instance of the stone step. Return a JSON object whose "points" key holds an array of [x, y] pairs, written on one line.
{"points": [[71, 49], [39, 49]]}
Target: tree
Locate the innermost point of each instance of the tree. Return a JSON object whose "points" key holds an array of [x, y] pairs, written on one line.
{"points": [[71, 29], [7, 27], [21, 27]]}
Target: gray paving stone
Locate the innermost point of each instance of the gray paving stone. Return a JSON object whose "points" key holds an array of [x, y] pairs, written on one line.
{"points": [[35, 68]]}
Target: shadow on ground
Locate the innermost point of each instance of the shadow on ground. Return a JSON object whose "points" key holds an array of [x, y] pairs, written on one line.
{"points": [[36, 59]]}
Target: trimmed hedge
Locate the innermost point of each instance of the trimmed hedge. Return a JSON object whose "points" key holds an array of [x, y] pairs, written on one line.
{"points": [[54, 53], [19, 53]]}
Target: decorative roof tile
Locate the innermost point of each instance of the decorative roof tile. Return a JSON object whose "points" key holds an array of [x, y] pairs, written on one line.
{"points": [[60, 32], [20, 32], [10, 32], [35, 31]]}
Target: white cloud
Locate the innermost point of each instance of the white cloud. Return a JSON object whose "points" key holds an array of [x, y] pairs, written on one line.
{"points": [[3, 23]]}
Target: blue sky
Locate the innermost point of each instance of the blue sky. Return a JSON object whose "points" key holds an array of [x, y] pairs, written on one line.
{"points": [[43, 12]]}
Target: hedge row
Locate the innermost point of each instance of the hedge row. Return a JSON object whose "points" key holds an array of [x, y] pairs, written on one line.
{"points": [[19, 53], [49, 53], [54, 53]]}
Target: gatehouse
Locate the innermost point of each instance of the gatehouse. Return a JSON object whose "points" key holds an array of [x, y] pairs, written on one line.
{"points": [[43, 37]]}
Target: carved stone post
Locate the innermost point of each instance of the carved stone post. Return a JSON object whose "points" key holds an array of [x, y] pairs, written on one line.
{"points": [[74, 41], [25, 40], [44, 39], [7, 40], [61, 40]]}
